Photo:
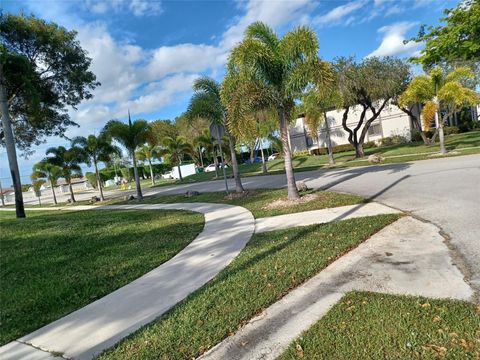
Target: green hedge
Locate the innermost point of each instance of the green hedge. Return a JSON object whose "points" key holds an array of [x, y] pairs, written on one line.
{"points": [[342, 148], [158, 169]]}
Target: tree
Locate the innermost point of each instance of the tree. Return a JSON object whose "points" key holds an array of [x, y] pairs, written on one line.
{"points": [[269, 73], [208, 143], [68, 160], [96, 149], [176, 149], [43, 71], [131, 136], [147, 152], [458, 41], [163, 128], [369, 86], [440, 91], [44, 171], [206, 103]]}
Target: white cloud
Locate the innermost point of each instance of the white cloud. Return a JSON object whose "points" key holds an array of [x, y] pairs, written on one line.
{"points": [[137, 7], [392, 41], [338, 13]]}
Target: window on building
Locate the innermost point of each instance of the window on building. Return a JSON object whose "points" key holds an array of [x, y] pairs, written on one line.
{"points": [[375, 130]]}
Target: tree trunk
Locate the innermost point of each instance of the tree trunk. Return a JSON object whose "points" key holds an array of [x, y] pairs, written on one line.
{"points": [[137, 178], [151, 171], [201, 156], [264, 163], [1, 194], [179, 172], [70, 188], [291, 185], [331, 159], [10, 147], [441, 136], [53, 192], [359, 153], [236, 171], [215, 161], [99, 181]]}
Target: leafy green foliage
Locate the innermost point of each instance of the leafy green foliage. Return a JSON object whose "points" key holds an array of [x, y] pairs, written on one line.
{"points": [[455, 42], [68, 160], [46, 71]]}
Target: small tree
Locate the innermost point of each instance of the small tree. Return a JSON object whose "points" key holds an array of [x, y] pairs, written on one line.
{"points": [[437, 91], [96, 149], [43, 172], [68, 160], [43, 72], [208, 143], [131, 136], [371, 85], [266, 72], [148, 152], [176, 149]]}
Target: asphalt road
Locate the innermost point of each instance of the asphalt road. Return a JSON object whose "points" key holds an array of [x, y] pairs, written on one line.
{"points": [[443, 191]]}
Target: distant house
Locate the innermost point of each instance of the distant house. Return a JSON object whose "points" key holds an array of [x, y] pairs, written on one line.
{"points": [[391, 121]]}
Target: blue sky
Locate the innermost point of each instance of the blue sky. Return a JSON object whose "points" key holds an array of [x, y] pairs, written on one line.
{"points": [[146, 54]]}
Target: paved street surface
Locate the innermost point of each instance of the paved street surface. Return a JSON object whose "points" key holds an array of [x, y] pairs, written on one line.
{"points": [[444, 191]]}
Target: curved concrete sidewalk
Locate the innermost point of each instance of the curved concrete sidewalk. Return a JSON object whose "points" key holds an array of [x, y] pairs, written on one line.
{"points": [[88, 331], [406, 257]]}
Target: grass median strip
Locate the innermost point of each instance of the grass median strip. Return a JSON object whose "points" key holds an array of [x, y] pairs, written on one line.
{"points": [[367, 325], [260, 201], [270, 265], [53, 263]]}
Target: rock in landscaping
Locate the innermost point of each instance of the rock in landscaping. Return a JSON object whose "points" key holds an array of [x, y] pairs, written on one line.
{"points": [[301, 186], [375, 159], [191, 193], [94, 199], [128, 197]]}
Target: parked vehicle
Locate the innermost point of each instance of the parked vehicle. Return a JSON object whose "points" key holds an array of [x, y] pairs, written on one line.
{"points": [[273, 156], [256, 160], [211, 167], [167, 175]]}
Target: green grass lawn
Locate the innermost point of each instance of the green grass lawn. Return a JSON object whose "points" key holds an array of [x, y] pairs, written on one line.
{"points": [[270, 265], [53, 263], [377, 326], [257, 200], [455, 143]]}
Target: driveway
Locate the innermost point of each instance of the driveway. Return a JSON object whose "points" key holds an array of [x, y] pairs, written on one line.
{"points": [[443, 191]]}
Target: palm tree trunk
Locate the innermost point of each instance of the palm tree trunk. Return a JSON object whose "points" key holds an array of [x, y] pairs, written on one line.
{"points": [[441, 136], [70, 188], [10, 146], [99, 181], [180, 172], [264, 164], [236, 171], [137, 178], [331, 159], [291, 185], [215, 161], [53, 192], [201, 156], [151, 171]]}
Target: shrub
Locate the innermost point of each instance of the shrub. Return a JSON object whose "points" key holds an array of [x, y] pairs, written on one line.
{"points": [[92, 179], [301, 153], [449, 130], [393, 140]]}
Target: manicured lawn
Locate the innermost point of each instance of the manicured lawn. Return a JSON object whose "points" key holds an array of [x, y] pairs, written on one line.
{"points": [[55, 262], [270, 265], [377, 326], [455, 142], [257, 200]]}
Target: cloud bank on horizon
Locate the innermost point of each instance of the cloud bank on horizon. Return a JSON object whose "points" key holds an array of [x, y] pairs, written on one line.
{"points": [[153, 78]]}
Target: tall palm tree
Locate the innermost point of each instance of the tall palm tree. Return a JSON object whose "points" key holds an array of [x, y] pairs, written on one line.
{"points": [[69, 161], [207, 142], [206, 103], [45, 171], [131, 136], [266, 72], [96, 149], [439, 90], [176, 148], [147, 152]]}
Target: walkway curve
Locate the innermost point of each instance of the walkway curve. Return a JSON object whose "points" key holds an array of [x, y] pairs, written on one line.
{"points": [[90, 330]]}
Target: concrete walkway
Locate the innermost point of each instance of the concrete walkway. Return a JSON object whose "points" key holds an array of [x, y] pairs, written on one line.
{"points": [[321, 216], [406, 257], [88, 331]]}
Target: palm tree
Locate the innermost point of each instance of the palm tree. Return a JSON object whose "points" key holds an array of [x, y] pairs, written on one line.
{"points": [[207, 142], [177, 148], [147, 152], [44, 171], [131, 136], [206, 103], [439, 90], [266, 72], [96, 149], [68, 160]]}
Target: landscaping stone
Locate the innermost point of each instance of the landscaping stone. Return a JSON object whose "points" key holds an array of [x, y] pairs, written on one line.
{"points": [[301, 186], [191, 193], [376, 159], [94, 199], [128, 197]]}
